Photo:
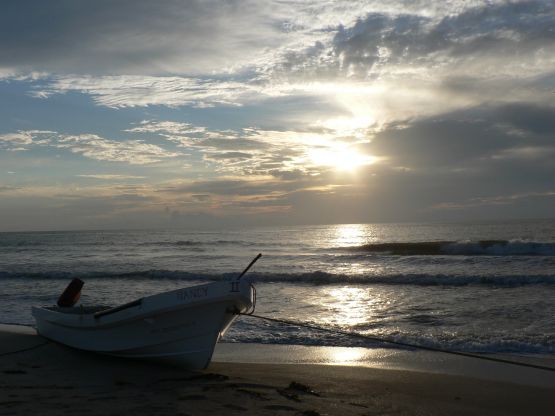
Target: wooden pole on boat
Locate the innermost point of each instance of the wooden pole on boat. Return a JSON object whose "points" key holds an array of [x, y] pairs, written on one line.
{"points": [[250, 265]]}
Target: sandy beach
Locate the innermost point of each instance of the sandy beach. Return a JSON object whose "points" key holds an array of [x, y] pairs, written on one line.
{"points": [[49, 379]]}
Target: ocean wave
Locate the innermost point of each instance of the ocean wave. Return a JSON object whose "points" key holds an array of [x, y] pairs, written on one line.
{"points": [[221, 242], [271, 333], [461, 248], [195, 243], [407, 279], [247, 330], [172, 243], [316, 278]]}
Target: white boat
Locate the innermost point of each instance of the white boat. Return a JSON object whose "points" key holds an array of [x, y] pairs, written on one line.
{"points": [[179, 327]]}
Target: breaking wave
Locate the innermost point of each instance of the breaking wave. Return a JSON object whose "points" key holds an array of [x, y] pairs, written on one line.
{"points": [[194, 243], [461, 248], [316, 278], [248, 331]]}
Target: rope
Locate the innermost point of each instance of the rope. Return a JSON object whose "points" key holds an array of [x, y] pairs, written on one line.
{"points": [[390, 341], [25, 349], [17, 324]]}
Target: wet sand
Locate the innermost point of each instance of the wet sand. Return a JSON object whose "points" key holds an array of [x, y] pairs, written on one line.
{"points": [[50, 379]]}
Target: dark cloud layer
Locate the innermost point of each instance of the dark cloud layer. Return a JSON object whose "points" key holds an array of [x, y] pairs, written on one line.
{"points": [[533, 119], [492, 32], [458, 140], [498, 156], [124, 36], [511, 29]]}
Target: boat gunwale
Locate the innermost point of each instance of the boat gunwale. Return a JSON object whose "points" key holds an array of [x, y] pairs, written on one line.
{"points": [[139, 311]]}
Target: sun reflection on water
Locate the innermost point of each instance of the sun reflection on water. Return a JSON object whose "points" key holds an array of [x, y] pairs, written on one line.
{"points": [[345, 355], [350, 234], [350, 306]]}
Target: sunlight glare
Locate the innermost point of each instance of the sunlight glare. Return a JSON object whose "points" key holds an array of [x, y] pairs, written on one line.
{"points": [[351, 305], [350, 235], [342, 159], [346, 355], [348, 125]]}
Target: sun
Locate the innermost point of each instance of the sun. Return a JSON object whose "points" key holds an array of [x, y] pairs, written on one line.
{"points": [[340, 158]]}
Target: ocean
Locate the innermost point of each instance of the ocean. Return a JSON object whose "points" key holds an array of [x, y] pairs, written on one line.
{"points": [[482, 287]]}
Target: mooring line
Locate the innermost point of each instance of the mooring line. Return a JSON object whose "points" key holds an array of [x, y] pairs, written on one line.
{"points": [[390, 341], [24, 349]]}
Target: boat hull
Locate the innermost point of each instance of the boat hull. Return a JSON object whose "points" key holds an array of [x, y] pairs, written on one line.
{"points": [[179, 327]]}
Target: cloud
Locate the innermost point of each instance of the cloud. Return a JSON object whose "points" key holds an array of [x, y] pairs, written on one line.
{"points": [[92, 146], [256, 151], [495, 200], [472, 41], [236, 187], [135, 36], [472, 159], [402, 64], [376, 63], [467, 138], [109, 177], [22, 139], [167, 127], [134, 152], [177, 36], [529, 118], [141, 91], [211, 53], [5, 188], [229, 156], [440, 104]]}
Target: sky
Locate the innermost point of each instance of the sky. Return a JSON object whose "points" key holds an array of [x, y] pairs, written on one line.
{"points": [[213, 113]]}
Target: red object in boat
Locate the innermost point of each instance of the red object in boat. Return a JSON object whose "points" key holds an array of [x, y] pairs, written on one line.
{"points": [[71, 294]]}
